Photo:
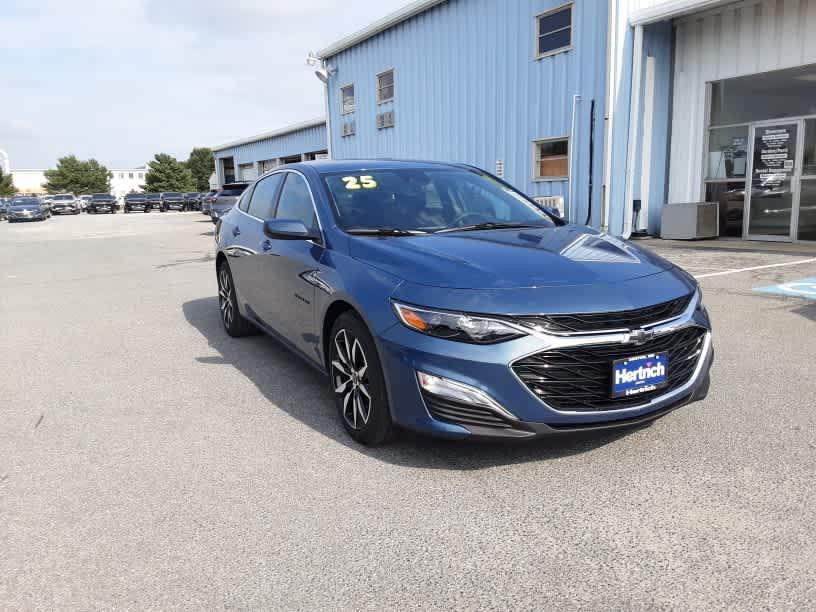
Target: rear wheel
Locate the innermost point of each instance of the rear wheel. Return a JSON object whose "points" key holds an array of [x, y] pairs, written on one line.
{"points": [[234, 322], [357, 381]]}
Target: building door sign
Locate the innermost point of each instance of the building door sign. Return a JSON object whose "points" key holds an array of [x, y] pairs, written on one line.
{"points": [[771, 197]]}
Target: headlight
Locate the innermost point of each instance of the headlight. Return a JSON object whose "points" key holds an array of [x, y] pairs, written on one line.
{"points": [[698, 298], [455, 325]]}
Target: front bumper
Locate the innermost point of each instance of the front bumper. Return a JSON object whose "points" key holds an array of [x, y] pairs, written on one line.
{"points": [[18, 216], [488, 368]]}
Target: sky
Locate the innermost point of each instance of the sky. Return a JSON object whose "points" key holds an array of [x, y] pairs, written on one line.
{"points": [[121, 80]]}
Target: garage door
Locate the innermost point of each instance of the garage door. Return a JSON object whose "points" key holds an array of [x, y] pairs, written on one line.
{"points": [[247, 172]]}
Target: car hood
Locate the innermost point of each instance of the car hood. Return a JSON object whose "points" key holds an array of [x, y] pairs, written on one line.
{"points": [[506, 259]]}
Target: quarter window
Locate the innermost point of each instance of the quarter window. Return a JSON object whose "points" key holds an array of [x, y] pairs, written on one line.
{"points": [[262, 204], [554, 31], [385, 86], [551, 159], [295, 202], [347, 99]]}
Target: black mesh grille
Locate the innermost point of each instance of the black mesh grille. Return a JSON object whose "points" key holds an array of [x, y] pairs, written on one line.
{"points": [[463, 414], [580, 378], [622, 319]]}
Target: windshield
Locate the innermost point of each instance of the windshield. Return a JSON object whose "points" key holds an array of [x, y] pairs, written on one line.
{"points": [[172, 194], [102, 196], [60, 197], [134, 196], [24, 201], [153, 196], [427, 200]]}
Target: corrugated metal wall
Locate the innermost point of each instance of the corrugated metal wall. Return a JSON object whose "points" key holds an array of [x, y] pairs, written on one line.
{"points": [[737, 40], [302, 141], [469, 89]]}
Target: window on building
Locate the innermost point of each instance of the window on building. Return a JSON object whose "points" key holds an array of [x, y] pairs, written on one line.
{"points": [[347, 99], [551, 158], [121, 175], [554, 31], [385, 86], [130, 175]]}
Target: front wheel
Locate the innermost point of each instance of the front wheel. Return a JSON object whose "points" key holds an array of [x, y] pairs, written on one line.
{"points": [[357, 381]]}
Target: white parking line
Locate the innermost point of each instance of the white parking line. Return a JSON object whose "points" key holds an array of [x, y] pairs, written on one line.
{"points": [[778, 265]]}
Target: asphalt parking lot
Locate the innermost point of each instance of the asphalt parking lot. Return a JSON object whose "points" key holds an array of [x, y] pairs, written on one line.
{"points": [[149, 461]]}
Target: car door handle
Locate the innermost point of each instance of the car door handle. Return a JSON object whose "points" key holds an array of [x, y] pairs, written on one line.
{"points": [[236, 231]]}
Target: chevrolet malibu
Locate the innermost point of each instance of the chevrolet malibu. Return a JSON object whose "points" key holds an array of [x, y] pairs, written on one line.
{"points": [[438, 298], [26, 208]]}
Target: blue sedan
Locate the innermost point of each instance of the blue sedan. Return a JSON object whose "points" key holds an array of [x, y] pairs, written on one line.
{"points": [[439, 299]]}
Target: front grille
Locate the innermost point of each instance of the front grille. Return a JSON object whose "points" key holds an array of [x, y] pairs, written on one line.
{"points": [[579, 378], [460, 413], [600, 321]]}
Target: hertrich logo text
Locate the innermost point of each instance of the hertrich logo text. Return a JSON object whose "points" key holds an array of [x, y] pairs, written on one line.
{"points": [[642, 374]]}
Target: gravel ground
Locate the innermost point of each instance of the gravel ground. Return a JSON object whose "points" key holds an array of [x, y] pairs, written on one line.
{"points": [[149, 461]]}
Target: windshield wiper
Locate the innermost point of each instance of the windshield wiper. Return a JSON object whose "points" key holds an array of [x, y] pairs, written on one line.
{"points": [[487, 226], [382, 231]]}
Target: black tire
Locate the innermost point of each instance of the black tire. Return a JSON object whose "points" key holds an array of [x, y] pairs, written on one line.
{"points": [[235, 324], [357, 382]]}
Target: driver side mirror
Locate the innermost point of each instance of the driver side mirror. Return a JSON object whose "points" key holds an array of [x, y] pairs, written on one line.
{"points": [[288, 229]]}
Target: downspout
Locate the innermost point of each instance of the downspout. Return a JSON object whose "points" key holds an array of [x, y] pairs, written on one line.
{"points": [[324, 65], [609, 112], [575, 99], [634, 130]]}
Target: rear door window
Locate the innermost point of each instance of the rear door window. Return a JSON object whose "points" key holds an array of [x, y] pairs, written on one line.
{"points": [[262, 202]]}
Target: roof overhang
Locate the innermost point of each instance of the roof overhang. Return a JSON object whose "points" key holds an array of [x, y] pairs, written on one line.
{"points": [[673, 8], [386, 23], [289, 129]]}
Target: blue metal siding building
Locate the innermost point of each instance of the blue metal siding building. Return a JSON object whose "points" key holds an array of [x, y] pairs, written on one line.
{"points": [[248, 158], [470, 88]]}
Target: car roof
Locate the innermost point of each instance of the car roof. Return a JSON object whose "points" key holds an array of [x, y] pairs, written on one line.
{"points": [[324, 166]]}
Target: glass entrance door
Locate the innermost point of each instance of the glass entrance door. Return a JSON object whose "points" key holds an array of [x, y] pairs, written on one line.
{"points": [[776, 161]]}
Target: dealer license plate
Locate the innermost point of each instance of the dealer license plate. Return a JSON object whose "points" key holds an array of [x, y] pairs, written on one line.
{"points": [[635, 375]]}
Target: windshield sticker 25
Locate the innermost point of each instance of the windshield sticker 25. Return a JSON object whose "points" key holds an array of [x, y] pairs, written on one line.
{"points": [[363, 182]]}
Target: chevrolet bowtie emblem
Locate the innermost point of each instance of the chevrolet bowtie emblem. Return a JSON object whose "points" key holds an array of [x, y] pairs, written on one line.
{"points": [[640, 336]]}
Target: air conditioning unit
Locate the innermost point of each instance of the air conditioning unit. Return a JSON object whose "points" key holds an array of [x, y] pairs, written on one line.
{"points": [[690, 221], [385, 120], [348, 128], [554, 202]]}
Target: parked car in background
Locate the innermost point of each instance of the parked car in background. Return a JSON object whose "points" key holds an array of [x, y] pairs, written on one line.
{"points": [[2, 208], [225, 199], [172, 200], [102, 203], [438, 298], [136, 202], [207, 200], [193, 200], [65, 204], [153, 201], [84, 199], [27, 208]]}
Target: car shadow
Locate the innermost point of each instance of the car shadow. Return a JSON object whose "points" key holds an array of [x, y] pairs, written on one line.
{"points": [[291, 385]]}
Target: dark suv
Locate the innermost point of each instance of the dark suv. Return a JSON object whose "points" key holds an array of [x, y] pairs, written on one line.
{"points": [[102, 203], [193, 200], [153, 201], [136, 202], [225, 199], [172, 200]]}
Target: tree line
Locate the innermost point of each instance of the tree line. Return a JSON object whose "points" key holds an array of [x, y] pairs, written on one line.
{"points": [[164, 173]]}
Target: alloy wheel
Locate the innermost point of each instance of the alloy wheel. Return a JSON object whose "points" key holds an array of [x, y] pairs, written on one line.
{"points": [[351, 383], [225, 296]]}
